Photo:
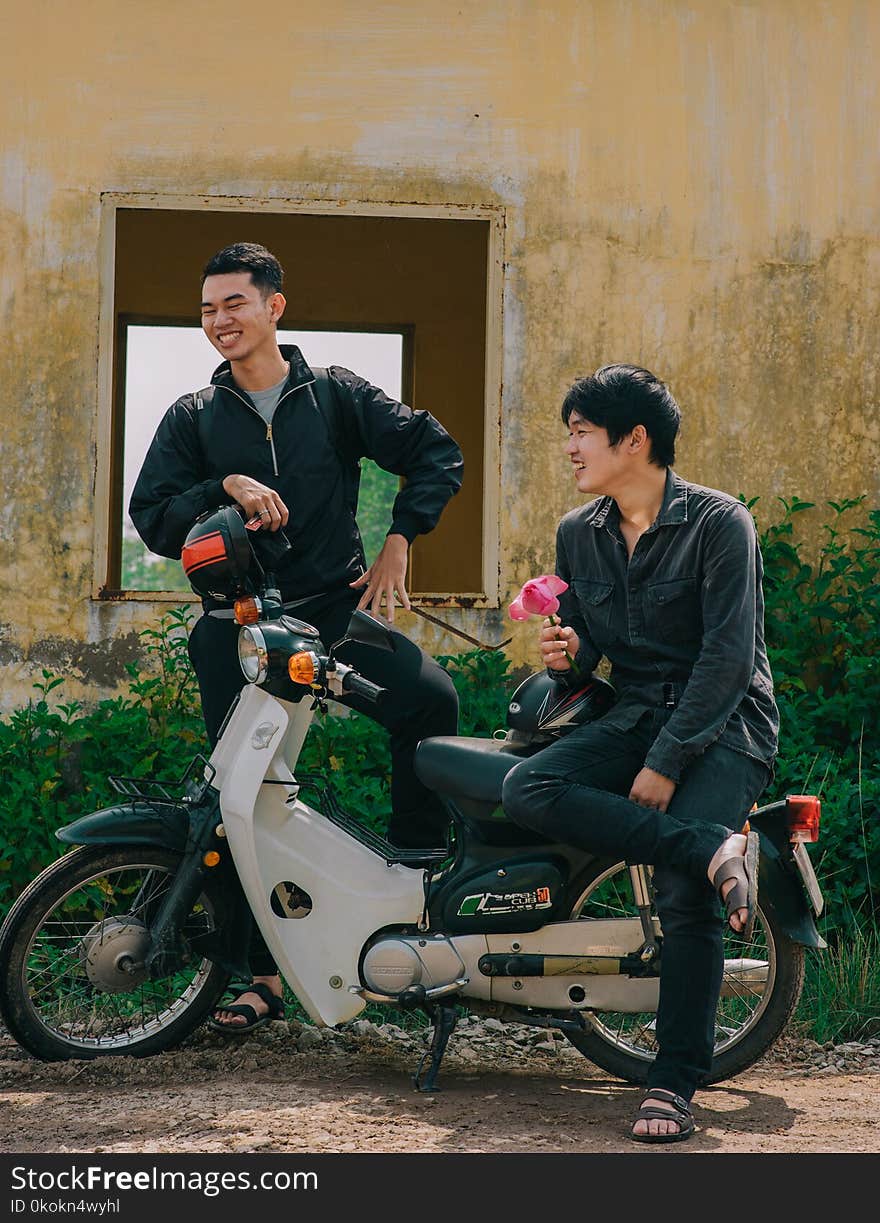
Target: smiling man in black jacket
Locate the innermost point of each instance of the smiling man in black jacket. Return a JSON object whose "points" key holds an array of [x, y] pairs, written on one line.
{"points": [[260, 437]]}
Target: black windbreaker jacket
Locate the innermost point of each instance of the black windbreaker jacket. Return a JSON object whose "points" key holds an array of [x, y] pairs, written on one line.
{"points": [[198, 444]]}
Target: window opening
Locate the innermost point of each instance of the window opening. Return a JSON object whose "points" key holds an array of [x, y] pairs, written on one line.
{"points": [[164, 362]]}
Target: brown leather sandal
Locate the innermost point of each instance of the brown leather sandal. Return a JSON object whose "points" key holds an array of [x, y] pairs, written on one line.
{"points": [[744, 893], [680, 1114]]}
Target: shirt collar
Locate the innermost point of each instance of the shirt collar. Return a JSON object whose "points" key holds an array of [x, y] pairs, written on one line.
{"points": [[300, 372], [673, 508]]}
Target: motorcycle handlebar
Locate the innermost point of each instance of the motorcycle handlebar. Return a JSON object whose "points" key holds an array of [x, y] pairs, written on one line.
{"points": [[358, 686]]}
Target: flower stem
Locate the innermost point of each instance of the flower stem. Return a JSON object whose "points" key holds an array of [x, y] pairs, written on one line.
{"points": [[554, 620]]}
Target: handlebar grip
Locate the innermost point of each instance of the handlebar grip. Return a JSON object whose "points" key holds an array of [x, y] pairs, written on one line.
{"points": [[359, 686]]}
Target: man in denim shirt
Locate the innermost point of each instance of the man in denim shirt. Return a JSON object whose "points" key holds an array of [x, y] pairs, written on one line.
{"points": [[665, 581]]}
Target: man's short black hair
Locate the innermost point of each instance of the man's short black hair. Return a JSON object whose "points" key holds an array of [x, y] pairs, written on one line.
{"points": [[619, 397], [266, 272]]}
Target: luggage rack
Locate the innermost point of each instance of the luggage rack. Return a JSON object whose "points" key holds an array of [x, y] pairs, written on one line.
{"points": [[190, 788], [329, 805]]}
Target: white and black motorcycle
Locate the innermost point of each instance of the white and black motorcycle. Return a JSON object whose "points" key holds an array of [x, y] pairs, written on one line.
{"points": [[125, 944]]}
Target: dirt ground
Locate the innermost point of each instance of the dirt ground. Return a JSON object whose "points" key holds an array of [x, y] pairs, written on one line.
{"points": [[265, 1095]]}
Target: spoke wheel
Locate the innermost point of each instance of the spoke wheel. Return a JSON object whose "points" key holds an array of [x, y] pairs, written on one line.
{"points": [[760, 989], [72, 981]]}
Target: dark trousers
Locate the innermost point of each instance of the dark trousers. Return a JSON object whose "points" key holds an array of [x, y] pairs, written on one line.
{"points": [[575, 791], [421, 702]]}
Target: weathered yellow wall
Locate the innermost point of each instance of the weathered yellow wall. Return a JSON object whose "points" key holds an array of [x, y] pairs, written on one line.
{"points": [[690, 184]]}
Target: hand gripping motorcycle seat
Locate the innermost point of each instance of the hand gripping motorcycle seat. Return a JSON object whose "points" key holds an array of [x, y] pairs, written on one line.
{"points": [[465, 768]]}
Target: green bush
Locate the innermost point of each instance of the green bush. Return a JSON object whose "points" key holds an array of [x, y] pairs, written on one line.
{"points": [[823, 636], [55, 758]]}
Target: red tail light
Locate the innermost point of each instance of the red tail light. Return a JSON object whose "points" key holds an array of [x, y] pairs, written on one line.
{"points": [[802, 815]]}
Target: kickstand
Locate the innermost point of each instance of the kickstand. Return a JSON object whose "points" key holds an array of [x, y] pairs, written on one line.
{"points": [[445, 1019]]}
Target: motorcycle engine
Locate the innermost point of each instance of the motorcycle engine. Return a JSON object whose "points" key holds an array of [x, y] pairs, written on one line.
{"points": [[395, 963]]}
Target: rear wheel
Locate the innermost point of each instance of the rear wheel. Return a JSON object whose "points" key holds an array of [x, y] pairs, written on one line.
{"points": [[761, 987], [70, 950]]}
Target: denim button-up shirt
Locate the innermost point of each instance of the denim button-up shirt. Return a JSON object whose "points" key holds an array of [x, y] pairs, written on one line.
{"points": [[681, 621]]}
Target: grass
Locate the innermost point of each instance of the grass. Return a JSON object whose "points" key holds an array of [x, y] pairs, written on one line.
{"points": [[841, 998]]}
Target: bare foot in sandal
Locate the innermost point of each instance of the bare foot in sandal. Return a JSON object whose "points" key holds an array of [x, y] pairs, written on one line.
{"points": [[733, 871], [232, 1016], [663, 1117]]}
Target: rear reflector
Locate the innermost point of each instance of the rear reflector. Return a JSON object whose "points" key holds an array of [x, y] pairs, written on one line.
{"points": [[802, 816]]}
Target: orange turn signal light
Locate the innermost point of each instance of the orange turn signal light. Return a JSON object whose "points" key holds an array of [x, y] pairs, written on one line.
{"points": [[211, 858], [301, 667], [246, 611]]}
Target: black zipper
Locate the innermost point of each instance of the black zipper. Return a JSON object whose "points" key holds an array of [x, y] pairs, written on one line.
{"points": [[281, 398]]}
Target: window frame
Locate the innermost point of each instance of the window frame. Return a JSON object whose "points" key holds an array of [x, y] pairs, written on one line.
{"points": [[110, 399]]}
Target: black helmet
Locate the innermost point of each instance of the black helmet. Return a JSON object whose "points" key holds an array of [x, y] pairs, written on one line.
{"points": [[543, 706], [216, 554]]}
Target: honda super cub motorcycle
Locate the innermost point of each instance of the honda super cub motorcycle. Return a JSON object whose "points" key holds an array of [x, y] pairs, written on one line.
{"points": [[125, 944]]}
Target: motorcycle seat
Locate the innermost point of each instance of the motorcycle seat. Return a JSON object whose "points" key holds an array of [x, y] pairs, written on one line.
{"points": [[465, 768]]}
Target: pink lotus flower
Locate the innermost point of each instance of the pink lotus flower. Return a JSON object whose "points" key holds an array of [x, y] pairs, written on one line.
{"points": [[538, 598]]}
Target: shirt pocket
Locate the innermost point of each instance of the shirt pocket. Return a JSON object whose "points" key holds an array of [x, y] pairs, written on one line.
{"points": [[674, 612], [595, 601]]}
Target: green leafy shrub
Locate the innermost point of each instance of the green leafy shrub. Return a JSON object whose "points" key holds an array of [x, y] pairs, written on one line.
{"points": [[482, 680], [54, 759], [352, 752], [823, 636]]}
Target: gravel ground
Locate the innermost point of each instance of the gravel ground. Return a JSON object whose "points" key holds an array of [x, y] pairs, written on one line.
{"points": [[291, 1087]]}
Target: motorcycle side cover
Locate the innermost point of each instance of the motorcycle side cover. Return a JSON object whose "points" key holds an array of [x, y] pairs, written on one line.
{"points": [[526, 896]]}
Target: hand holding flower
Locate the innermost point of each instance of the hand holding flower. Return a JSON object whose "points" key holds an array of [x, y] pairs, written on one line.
{"points": [[538, 597], [559, 645]]}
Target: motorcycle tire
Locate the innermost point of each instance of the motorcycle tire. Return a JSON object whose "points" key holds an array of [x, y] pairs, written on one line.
{"points": [[747, 1024], [69, 949]]}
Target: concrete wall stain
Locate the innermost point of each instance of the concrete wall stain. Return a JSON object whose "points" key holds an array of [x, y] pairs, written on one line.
{"points": [[689, 184]]}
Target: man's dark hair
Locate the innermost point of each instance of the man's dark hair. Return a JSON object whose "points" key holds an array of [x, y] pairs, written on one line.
{"points": [[619, 397], [266, 272]]}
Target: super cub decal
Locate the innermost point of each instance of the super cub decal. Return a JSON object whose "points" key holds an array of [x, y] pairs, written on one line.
{"points": [[505, 902]]}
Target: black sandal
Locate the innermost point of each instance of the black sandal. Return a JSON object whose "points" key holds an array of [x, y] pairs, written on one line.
{"points": [[252, 1019], [680, 1114], [744, 893]]}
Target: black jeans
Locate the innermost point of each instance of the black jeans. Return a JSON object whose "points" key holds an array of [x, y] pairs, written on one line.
{"points": [[421, 701], [574, 791]]}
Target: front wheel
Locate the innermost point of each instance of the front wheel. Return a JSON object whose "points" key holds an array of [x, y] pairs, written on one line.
{"points": [[759, 992], [72, 982]]}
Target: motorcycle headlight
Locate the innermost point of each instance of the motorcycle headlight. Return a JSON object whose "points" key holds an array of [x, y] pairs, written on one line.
{"points": [[253, 657]]}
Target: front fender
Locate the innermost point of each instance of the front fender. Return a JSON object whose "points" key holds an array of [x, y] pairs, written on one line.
{"points": [[164, 824], [780, 891]]}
